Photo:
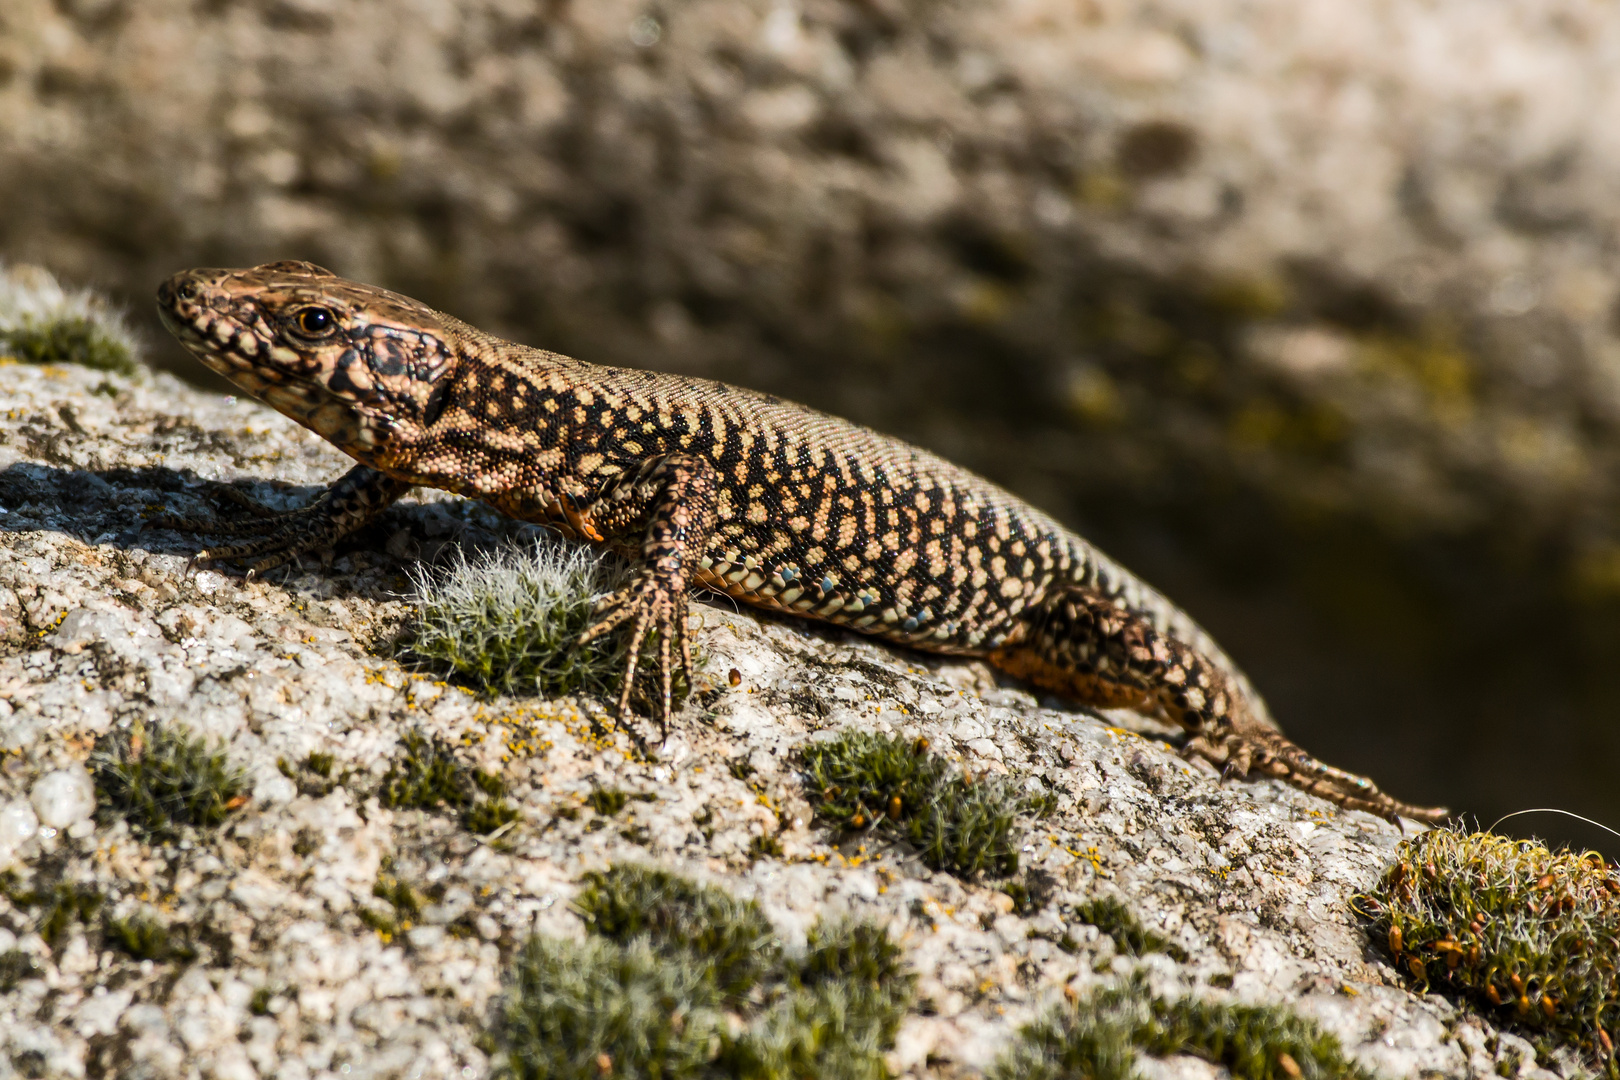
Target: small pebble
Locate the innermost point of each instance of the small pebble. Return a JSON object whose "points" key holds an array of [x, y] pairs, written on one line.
{"points": [[64, 797], [18, 824]]}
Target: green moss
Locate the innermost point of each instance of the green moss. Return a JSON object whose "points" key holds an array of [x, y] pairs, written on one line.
{"points": [[830, 1032], [68, 339], [428, 776], [607, 801], [869, 969], [1528, 935], [313, 775], [398, 893], [15, 966], [682, 980], [735, 939], [161, 778], [57, 908], [141, 935], [490, 815], [765, 847], [382, 922], [582, 1011], [1023, 901], [861, 781], [1102, 1037], [403, 900], [1120, 923], [508, 622]]}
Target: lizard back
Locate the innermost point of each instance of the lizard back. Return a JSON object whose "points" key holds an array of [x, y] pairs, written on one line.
{"points": [[817, 516]]}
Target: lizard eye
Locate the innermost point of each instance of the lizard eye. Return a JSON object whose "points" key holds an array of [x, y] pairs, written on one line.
{"points": [[315, 322]]}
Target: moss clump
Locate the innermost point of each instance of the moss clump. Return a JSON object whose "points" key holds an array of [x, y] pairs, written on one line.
{"points": [[765, 847], [674, 913], [680, 980], [15, 966], [1527, 934], [508, 622], [70, 339], [582, 1011], [1101, 1039], [864, 963], [313, 775], [835, 1031], [142, 936], [1120, 923], [58, 906], [43, 323], [430, 777], [400, 896], [398, 893], [607, 801], [490, 815], [426, 777], [161, 778], [861, 781]]}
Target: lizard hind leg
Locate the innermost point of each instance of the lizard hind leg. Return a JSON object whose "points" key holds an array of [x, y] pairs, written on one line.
{"points": [[1086, 645]]}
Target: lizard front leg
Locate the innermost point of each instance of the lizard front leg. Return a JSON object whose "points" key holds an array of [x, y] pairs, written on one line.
{"points": [[354, 499], [665, 509], [1082, 643]]}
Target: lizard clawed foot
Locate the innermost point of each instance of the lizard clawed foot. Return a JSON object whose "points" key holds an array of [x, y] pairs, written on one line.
{"points": [[655, 608], [1245, 746]]}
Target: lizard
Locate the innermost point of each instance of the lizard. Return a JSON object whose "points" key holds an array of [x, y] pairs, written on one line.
{"points": [[703, 484]]}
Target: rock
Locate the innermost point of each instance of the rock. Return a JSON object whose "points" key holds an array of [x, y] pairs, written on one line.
{"points": [[1311, 295], [63, 798], [18, 825], [284, 953]]}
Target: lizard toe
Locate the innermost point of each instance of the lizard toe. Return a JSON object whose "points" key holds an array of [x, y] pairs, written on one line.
{"points": [[656, 614]]}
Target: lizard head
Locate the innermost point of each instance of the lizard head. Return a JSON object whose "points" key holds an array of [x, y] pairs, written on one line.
{"points": [[362, 367]]}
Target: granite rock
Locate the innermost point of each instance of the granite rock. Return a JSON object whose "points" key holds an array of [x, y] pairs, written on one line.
{"points": [[102, 627]]}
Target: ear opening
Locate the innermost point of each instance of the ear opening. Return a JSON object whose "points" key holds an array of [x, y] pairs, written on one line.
{"points": [[435, 403]]}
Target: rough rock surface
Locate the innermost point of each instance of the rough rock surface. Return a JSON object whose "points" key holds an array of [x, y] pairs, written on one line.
{"points": [[102, 625], [1329, 285]]}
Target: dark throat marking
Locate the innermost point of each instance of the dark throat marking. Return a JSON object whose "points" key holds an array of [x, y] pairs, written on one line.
{"points": [[700, 483]]}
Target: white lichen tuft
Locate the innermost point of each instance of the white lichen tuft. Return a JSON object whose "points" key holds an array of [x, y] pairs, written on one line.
{"points": [[508, 620], [43, 323]]}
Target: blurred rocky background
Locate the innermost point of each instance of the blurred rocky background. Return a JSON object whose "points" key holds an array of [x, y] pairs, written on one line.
{"points": [[1305, 310]]}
